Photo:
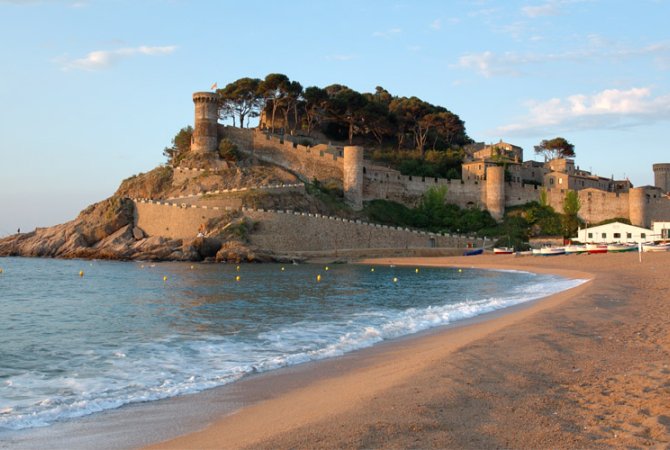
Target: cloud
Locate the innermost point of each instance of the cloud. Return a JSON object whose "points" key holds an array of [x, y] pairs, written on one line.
{"points": [[546, 9], [388, 34], [607, 109], [341, 57], [103, 59], [489, 64], [436, 24]]}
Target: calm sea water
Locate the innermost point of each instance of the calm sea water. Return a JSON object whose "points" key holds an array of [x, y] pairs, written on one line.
{"points": [[123, 333]]}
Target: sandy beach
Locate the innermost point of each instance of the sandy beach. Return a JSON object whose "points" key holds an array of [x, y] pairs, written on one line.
{"points": [[587, 368]]}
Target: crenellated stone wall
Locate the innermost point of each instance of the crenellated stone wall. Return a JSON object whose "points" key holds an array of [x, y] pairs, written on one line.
{"points": [[171, 219], [325, 162], [299, 231], [321, 162]]}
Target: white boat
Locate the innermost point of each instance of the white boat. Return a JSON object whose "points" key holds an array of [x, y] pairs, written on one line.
{"points": [[536, 252], [573, 249], [618, 248], [650, 247], [552, 251], [503, 250]]}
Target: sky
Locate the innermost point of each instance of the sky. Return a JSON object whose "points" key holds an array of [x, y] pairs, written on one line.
{"points": [[91, 91]]}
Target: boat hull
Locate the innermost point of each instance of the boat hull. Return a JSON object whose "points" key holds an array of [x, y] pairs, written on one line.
{"points": [[473, 252], [596, 248], [552, 251], [503, 251]]}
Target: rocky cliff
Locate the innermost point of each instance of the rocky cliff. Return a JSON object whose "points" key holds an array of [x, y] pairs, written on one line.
{"points": [[106, 230]]}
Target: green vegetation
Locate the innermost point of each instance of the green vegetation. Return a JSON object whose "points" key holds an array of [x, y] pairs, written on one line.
{"points": [[557, 147], [228, 150], [432, 214], [330, 195], [181, 144], [341, 113], [441, 164], [571, 207]]}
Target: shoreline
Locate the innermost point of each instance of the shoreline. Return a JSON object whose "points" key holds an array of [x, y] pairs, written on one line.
{"points": [[329, 400], [468, 384]]}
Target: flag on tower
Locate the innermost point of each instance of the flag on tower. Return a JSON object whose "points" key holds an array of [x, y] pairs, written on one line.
{"points": [[214, 86]]}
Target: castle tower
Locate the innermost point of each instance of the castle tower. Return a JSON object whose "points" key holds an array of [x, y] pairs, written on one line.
{"points": [[205, 139], [662, 176], [495, 191], [637, 207], [352, 171]]}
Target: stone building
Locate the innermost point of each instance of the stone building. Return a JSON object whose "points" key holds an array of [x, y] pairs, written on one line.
{"points": [[494, 177]]}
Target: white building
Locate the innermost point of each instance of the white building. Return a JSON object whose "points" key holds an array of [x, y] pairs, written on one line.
{"points": [[615, 232], [661, 230]]}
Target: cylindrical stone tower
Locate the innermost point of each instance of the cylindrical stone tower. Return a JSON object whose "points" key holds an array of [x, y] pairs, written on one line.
{"points": [[662, 176], [205, 137], [495, 191], [352, 172], [637, 207]]}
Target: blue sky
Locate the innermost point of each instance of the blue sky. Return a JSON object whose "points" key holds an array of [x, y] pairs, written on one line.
{"points": [[93, 90]]}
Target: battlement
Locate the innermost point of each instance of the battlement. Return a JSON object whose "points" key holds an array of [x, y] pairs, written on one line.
{"points": [[208, 97], [300, 231]]}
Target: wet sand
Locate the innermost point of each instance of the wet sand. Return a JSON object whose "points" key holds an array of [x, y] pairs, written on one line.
{"points": [[586, 368]]}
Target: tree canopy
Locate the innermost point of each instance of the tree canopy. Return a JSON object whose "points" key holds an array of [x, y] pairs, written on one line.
{"points": [[557, 147], [181, 144], [342, 113]]}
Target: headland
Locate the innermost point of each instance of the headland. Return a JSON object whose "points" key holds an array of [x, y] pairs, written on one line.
{"points": [[283, 192]]}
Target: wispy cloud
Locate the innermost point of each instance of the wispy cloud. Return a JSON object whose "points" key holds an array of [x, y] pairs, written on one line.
{"points": [[545, 9], [436, 24], [388, 34], [548, 8], [610, 108], [103, 59], [489, 64], [341, 57]]}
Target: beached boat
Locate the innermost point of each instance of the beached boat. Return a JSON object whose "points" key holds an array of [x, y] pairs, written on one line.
{"points": [[536, 252], [618, 248], [596, 248], [573, 249], [650, 247], [552, 251], [503, 250], [473, 251]]}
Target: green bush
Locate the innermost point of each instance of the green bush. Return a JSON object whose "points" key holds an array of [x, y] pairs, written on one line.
{"points": [[228, 150]]}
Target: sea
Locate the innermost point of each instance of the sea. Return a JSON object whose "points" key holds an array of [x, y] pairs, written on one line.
{"points": [[81, 337]]}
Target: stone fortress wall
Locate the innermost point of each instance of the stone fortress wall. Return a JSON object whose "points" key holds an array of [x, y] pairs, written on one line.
{"points": [[325, 162], [662, 177], [181, 217], [303, 231]]}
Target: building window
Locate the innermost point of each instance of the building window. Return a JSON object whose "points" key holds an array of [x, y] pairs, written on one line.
{"points": [[603, 235], [617, 235], [643, 235], [629, 235], [560, 181], [590, 235], [551, 180]]}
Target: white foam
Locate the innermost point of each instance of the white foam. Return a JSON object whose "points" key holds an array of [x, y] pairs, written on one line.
{"points": [[175, 366]]}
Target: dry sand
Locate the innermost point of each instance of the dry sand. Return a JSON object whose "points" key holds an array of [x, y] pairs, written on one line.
{"points": [[587, 368]]}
